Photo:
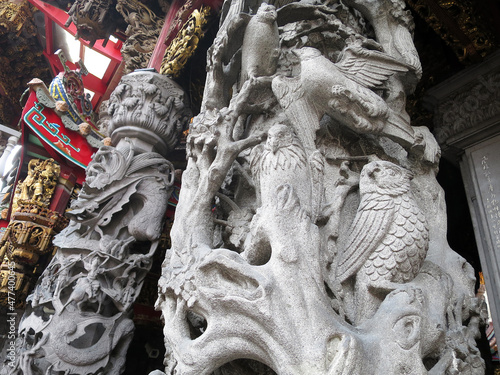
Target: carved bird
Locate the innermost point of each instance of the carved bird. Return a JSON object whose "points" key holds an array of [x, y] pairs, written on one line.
{"points": [[388, 239], [342, 90], [281, 160], [260, 50], [393, 31]]}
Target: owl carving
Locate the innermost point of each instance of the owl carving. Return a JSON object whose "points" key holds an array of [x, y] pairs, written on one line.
{"points": [[281, 160], [388, 239]]}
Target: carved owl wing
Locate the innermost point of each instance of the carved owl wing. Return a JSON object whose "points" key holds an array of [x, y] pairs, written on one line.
{"points": [[369, 227], [368, 67]]}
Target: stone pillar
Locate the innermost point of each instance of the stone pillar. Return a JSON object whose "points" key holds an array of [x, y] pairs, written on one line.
{"points": [[8, 178], [78, 317], [12, 141], [310, 232]]}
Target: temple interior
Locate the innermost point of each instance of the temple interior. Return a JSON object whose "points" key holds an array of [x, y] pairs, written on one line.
{"points": [[50, 49]]}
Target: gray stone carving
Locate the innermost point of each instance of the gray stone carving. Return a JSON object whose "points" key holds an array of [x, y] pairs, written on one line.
{"points": [[476, 105], [310, 233], [9, 172], [78, 320], [387, 241]]}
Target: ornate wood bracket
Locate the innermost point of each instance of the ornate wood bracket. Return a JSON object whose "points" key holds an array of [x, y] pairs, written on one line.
{"points": [[28, 239], [143, 31]]}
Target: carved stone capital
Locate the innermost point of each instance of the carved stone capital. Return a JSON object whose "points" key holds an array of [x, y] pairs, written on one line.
{"points": [[148, 107]]}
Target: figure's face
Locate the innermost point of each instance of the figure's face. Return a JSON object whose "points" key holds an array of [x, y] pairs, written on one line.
{"points": [[267, 13], [99, 171], [279, 136]]}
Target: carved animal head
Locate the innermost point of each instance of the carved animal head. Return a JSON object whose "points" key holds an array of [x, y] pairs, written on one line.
{"points": [[267, 13], [385, 178], [397, 330], [109, 164], [278, 136], [307, 53]]}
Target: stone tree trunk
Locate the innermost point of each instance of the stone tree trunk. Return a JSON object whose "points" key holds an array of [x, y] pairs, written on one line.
{"points": [[310, 233], [78, 320]]}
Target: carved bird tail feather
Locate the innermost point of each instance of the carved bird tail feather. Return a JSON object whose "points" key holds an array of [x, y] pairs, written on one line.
{"points": [[302, 114], [316, 165], [399, 129], [404, 45]]}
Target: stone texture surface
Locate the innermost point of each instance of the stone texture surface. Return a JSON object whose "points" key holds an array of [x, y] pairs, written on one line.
{"points": [[310, 233]]}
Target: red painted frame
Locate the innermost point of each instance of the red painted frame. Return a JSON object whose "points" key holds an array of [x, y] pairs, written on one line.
{"points": [[112, 50]]}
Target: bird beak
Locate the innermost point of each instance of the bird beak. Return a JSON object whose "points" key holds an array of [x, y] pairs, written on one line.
{"points": [[371, 169], [368, 169], [273, 145]]}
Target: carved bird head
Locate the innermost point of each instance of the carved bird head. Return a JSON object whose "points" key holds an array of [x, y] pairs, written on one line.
{"points": [[385, 178], [266, 13], [279, 136], [307, 53]]}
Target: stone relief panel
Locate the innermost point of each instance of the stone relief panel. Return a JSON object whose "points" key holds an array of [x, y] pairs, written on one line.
{"points": [[474, 106], [310, 232]]}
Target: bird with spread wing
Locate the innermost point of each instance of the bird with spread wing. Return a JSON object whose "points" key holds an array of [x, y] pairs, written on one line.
{"points": [[343, 90]]}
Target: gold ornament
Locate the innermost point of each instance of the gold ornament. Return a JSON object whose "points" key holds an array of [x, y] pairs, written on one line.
{"points": [[184, 44]]}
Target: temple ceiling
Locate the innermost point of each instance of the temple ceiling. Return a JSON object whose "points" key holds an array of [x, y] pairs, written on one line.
{"points": [[21, 57]]}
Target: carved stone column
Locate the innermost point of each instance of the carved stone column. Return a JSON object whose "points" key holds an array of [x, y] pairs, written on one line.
{"points": [[310, 232], [78, 320], [9, 177]]}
